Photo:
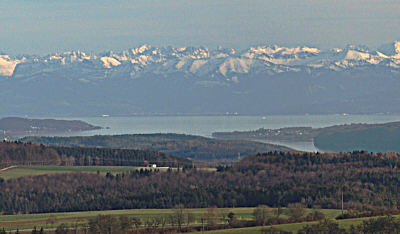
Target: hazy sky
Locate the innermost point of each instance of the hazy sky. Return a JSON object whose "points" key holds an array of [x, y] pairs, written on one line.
{"points": [[44, 26]]}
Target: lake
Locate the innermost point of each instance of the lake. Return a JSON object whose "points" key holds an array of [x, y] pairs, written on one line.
{"points": [[206, 125]]}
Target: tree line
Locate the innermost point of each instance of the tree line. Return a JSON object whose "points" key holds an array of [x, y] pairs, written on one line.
{"points": [[358, 180], [180, 145], [18, 153], [181, 220]]}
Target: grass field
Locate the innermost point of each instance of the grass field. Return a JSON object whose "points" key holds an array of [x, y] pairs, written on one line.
{"points": [[20, 171], [11, 222], [24, 221], [291, 227], [28, 221], [51, 220]]}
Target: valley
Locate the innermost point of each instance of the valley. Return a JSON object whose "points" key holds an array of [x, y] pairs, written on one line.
{"points": [[197, 148]]}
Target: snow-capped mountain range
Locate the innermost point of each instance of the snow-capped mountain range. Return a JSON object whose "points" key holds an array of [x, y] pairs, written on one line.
{"points": [[198, 80], [201, 61]]}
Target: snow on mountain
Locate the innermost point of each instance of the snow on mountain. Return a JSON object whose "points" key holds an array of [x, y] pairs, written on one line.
{"points": [[110, 62], [148, 79], [204, 62], [357, 55], [281, 55], [180, 64], [391, 49], [196, 65], [140, 50], [7, 65], [235, 65]]}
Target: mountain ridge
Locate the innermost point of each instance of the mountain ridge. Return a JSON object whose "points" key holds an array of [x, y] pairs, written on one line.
{"points": [[220, 61], [198, 80]]}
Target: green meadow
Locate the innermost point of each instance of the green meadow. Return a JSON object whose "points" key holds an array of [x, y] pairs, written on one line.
{"points": [[50, 220], [291, 227], [20, 171]]}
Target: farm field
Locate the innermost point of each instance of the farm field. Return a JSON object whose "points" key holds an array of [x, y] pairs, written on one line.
{"points": [[11, 222], [20, 171], [291, 227], [51, 220]]}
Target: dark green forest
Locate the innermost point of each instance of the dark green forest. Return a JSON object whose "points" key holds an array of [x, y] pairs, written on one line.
{"points": [[381, 138], [277, 179], [18, 153], [180, 145]]}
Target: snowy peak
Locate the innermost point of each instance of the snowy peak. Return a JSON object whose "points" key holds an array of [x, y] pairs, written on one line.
{"points": [[357, 55], [397, 47], [190, 52], [7, 65], [235, 65], [284, 51], [391, 49], [141, 49], [109, 62], [202, 61]]}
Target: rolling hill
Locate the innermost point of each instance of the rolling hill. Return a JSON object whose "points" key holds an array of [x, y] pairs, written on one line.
{"points": [[18, 153], [184, 146]]}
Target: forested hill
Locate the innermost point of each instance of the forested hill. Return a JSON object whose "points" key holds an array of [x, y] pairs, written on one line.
{"points": [[383, 137], [367, 181], [374, 137], [185, 146], [308, 162], [18, 127], [15, 153], [18, 153]]}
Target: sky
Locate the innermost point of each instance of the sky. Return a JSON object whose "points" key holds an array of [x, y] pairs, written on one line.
{"points": [[48, 26]]}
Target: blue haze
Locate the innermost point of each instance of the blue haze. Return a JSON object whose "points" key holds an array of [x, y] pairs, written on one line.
{"points": [[46, 26]]}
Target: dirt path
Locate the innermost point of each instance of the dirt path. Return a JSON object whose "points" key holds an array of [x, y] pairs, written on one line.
{"points": [[5, 169]]}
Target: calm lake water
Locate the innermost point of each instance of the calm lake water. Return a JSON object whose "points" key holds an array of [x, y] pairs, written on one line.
{"points": [[206, 125]]}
